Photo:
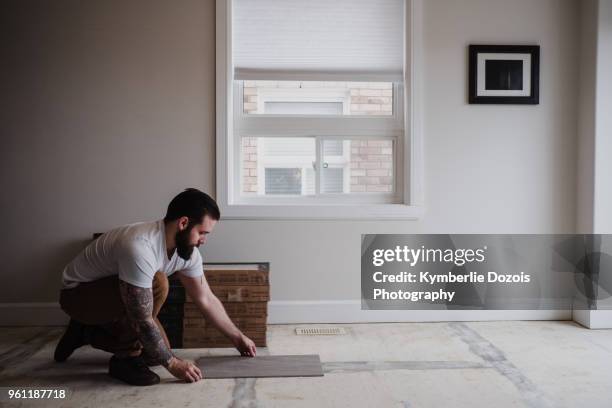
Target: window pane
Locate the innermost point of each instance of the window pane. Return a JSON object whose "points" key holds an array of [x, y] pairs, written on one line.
{"points": [[357, 166], [317, 98], [332, 181], [286, 166], [333, 147], [283, 181], [278, 165], [303, 108]]}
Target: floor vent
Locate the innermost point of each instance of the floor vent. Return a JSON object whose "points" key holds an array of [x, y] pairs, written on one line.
{"points": [[320, 331]]}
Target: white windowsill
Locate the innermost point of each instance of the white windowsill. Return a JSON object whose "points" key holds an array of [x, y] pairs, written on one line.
{"points": [[326, 212]]}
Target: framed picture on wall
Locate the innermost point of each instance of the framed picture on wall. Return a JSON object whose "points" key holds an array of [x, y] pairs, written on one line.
{"points": [[504, 74]]}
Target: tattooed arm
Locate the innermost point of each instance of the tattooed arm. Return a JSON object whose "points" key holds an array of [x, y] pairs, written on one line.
{"points": [[139, 308]]}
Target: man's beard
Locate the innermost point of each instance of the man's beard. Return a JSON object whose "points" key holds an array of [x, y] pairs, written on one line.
{"points": [[183, 249]]}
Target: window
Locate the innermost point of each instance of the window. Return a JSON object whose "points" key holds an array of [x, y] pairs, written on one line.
{"points": [[313, 108], [278, 166], [364, 165], [317, 98], [294, 97]]}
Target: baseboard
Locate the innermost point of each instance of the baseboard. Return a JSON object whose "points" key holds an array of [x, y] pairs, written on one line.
{"points": [[297, 312], [349, 311], [32, 314]]}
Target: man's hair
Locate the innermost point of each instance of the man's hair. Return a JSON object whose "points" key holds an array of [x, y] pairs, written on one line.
{"points": [[194, 204]]}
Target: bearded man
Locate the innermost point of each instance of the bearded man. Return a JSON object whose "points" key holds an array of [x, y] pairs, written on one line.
{"points": [[114, 289]]}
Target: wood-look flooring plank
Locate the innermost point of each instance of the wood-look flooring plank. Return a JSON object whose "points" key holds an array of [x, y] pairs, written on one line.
{"points": [[264, 366]]}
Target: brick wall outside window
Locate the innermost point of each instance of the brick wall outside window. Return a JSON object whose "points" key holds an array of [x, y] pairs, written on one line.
{"points": [[371, 161]]}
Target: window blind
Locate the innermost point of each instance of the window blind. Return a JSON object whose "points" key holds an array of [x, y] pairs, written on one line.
{"points": [[351, 40]]}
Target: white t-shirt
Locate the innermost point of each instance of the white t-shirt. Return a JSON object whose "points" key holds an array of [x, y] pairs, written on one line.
{"points": [[135, 252]]}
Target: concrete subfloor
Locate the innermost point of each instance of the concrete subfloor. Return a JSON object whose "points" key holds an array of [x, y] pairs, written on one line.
{"points": [[480, 364]]}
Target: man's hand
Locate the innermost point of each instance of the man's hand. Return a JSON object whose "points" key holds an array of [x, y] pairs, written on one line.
{"points": [[245, 346], [185, 370]]}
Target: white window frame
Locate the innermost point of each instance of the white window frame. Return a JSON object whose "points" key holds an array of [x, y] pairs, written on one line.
{"points": [[319, 127], [340, 162], [408, 146]]}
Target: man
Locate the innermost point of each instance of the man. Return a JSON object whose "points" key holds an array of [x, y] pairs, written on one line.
{"points": [[114, 289]]}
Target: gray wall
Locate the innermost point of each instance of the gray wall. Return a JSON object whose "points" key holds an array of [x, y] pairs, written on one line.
{"points": [[109, 111]]}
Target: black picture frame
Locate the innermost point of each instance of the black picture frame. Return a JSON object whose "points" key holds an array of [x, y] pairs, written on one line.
{"points": [[509, 70]]}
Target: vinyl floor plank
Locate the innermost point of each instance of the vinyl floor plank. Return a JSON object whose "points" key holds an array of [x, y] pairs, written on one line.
{"points": [[258, 367]]}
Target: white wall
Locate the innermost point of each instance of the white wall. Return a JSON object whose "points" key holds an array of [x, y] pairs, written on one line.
{"points": [[489, 169], [112, 113], [585, 185], [595, 139], [603, 121]]}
